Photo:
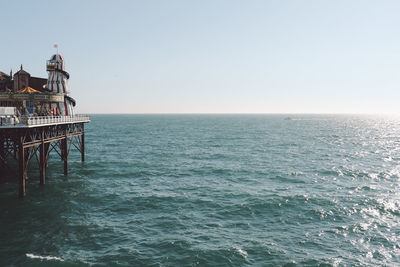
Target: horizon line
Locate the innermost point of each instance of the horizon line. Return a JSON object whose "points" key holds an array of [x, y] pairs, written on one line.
{"points": [[231, 113]]}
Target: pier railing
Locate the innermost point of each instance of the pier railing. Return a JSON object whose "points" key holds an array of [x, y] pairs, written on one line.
{"points": [[41, 120]]}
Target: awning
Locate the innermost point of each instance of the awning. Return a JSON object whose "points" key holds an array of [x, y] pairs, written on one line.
{"points": [[28, 90]]}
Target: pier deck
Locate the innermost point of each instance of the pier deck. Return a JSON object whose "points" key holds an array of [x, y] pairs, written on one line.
{"points": [[23, 139]]}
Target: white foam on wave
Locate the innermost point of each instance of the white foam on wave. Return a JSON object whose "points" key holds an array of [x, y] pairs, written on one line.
{"points": [[49, 258], [241, 251]]}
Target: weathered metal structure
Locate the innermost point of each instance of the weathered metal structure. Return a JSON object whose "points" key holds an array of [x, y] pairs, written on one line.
{"points": [[35, 138]]}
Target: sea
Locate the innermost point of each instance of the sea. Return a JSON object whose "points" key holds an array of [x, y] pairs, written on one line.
{"points": [[213, 190]]}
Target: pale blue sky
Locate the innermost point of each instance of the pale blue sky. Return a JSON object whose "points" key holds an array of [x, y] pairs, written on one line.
{"points": [[214, 56]]}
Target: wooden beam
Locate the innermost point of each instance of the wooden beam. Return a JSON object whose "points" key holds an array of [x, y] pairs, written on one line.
{"points": [[50, 140]]}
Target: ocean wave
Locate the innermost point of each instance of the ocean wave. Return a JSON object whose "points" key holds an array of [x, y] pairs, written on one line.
{"points": [[49, 258]]}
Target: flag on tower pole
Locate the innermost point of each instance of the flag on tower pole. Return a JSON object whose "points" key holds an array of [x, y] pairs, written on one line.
{"points": [[56, 47]]}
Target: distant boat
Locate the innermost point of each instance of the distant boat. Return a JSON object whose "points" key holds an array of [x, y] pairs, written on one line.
{"points": [[288, 119]]}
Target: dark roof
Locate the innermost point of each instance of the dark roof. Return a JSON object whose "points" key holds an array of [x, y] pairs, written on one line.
{"points": [[37, 83], [3, 76], [54, 57], [21, 72]]}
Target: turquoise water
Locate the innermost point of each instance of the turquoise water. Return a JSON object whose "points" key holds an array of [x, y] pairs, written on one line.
{"points": [[214, 190]]}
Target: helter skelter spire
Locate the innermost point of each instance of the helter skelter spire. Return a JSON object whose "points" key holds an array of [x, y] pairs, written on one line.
{"points": [[57, 82]]}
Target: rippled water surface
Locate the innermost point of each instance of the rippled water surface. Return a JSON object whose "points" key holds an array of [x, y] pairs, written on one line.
{"points": [[213, 190]]}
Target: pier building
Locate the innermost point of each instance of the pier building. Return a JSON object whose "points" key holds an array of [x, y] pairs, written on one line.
{"points": [[36, 118]]}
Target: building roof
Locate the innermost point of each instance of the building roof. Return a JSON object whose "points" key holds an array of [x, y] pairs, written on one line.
{"points": [[21, 71], [3, 76], [38, 83], [28, 90], [57, 57]]}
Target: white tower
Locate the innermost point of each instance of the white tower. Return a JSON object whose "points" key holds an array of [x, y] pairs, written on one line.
{"points": [[58, 83]]}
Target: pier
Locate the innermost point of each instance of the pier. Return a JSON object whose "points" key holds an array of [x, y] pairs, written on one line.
{"points": [[27, 138], [37, 117]]}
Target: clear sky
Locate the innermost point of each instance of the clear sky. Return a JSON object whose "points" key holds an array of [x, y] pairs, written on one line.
{"points": [[213, 56]]}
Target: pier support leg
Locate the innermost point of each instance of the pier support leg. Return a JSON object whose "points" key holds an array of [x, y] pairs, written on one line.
{"points": [[83, 147], [43, 163], [64, 144], [2, 149], [22, 170], [14, 150]]}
